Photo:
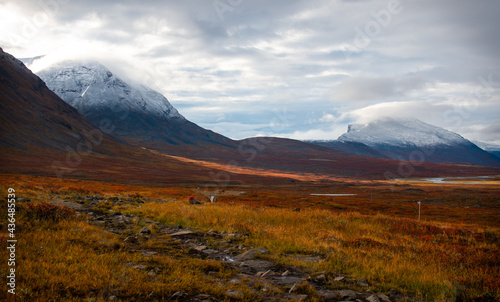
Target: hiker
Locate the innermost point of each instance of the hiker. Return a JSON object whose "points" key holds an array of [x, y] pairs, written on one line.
{"points": [[192, 200]]}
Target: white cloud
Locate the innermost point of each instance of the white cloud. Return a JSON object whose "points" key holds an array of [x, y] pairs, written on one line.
{"points": [[266, 55]]}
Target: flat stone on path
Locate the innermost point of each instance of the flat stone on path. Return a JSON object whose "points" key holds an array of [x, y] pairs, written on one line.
{"points": [[235, 294], [296, 297], [258, 265], [181, 233], [68, 204], [210, 251], [347, 294], [363, 282], [372, 298], [200, 248], [251, 254], [287, 280]]}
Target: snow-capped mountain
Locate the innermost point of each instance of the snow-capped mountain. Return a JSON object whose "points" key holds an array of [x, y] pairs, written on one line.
{"points": [[33, 117], [134, 113], [410, 139], [400, 132]]}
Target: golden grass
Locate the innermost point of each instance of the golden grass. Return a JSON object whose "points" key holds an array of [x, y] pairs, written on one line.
{"points": [[426, 260], [66, 260], [69, 260]]}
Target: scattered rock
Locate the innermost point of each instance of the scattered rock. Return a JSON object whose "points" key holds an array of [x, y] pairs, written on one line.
{"points": [[251, 254], [286, 273], [210, 251], [296, 297], [321, 278], [347, 295], [178, 294], [230, 235], [212, 233], [145, 230], [338, 279], [200, 248], [269, 288], [182, 233], [395, 295], [384, 297], [363, 282], [267, 273], [257, 265], [140, 266], [130, 239], [235, 294], [152, 273], [288, 280], [372, 298], [203, 297], [328, 295]]}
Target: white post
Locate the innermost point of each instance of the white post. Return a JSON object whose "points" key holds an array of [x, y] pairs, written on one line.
{"points": [[419, 211]]}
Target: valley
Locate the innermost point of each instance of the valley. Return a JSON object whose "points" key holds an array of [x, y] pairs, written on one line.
{"points": [[112, 203], [258, 242]]}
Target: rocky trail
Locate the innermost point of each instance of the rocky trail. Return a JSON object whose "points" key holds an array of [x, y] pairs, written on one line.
{"points": [[267, 280]]}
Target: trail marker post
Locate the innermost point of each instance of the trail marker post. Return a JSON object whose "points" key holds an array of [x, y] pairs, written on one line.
{"points": [[419, 211]]}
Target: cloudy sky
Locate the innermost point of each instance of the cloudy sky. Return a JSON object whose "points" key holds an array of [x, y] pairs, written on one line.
{"points": [[292, 68]]}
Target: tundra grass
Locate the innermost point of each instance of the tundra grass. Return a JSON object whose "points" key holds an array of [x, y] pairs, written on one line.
{"points": [[427, 260], [63, 258]]}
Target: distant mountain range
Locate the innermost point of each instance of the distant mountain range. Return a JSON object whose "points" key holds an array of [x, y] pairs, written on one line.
{"points": [[40, 134], [109, 130], [409, 140]]}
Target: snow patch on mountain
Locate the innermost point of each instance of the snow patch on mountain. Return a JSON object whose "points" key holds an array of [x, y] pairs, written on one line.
{"points": [[89, 84], [400, 132]]}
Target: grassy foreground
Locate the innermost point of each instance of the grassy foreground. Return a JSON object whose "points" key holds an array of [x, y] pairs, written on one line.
{"points": [[61, 257], [427, 260]]}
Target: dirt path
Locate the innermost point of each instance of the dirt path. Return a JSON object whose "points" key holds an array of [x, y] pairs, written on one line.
{"points": [[269, 281]]}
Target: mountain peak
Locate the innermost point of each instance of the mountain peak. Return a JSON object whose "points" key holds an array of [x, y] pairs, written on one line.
{"points": [[137, 113], [397, 131], [84, 84]]}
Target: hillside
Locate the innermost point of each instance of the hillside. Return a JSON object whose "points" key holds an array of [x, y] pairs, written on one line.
{"points": [[139, 114], [410, 140]]}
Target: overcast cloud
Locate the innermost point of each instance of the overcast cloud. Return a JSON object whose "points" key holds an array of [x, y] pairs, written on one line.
{"points": [[291, 68]]}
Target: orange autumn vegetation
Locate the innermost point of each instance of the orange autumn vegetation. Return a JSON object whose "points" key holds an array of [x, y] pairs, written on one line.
{"points": [[454, 249]]}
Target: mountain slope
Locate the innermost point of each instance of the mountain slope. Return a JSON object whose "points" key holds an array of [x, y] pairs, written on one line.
{"points": [[33, 116], [413, 140], [490, 148], [138, 114], [41, 134]]}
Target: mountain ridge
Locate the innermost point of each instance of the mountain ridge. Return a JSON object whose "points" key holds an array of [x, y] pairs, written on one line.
{"points": [[409, 140]]}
